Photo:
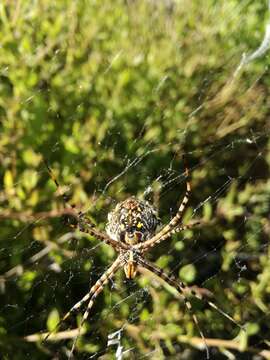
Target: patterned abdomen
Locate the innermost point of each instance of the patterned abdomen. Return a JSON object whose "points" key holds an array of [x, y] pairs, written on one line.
{"points": [[132, 221]]}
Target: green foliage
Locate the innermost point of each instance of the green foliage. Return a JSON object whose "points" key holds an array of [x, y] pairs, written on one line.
{"points": [[112, 94], [53, 320], [188, 273]]}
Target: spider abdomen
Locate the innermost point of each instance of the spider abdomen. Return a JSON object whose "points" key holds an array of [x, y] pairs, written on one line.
{"points": [[132, 221]]}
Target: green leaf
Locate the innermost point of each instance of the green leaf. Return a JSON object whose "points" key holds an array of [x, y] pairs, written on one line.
{"points": [[8, 180], [53, 320], [188, 273]]}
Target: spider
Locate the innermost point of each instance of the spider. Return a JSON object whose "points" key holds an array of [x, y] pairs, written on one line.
{"points": [[132, 231]]}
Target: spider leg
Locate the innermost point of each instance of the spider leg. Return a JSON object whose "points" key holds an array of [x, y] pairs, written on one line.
{"points": [[76, 307], [175, 221], [92, 294], [146, 245], [84, 223], [86, 226], [95, 290], [180, 287]]}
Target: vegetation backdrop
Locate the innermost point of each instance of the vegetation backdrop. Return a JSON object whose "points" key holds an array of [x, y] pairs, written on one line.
{"points": [[112, 94]]}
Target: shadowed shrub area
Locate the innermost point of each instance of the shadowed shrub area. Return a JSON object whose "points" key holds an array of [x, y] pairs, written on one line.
{"points": [[112, 95]]}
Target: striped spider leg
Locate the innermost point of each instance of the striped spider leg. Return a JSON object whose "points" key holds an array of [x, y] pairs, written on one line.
{"points": [[83, 222], [182, 289], [90, 297], [174, 224], [179, 286]]}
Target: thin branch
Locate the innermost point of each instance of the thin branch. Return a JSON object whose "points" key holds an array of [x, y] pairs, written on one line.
{"points": [[18, 269], [25, 217], [227, 344], [199, 342], [68, 334], [135, 331]]}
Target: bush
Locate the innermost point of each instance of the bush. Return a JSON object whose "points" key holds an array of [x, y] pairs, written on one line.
{"points": [[112, 95]]}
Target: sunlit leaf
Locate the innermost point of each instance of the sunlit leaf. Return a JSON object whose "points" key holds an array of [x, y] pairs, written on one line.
{"points": [[52, 320]]}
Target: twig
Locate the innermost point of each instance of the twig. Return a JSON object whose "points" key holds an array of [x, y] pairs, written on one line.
{"points": [[18, 269], [194, 341], [135, 331], [68, 334], [25, 217], [228, 344]]}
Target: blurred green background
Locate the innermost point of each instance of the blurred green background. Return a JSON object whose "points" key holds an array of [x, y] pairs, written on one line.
{"points": [[112, 94]]}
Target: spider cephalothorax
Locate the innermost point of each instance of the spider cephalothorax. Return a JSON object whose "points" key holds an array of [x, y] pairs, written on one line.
{"points": [[132, 221]]}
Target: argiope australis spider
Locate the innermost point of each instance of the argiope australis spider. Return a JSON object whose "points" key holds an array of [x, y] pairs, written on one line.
{"points": [[131, 231]]}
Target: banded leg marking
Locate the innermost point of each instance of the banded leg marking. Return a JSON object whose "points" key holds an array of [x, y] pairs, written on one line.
{"points": [[87, 227], [95, 288], [166, 232], [179, 284], [180, 287], [84, 223], [147, 245], [95, 291], [76, 307]]}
